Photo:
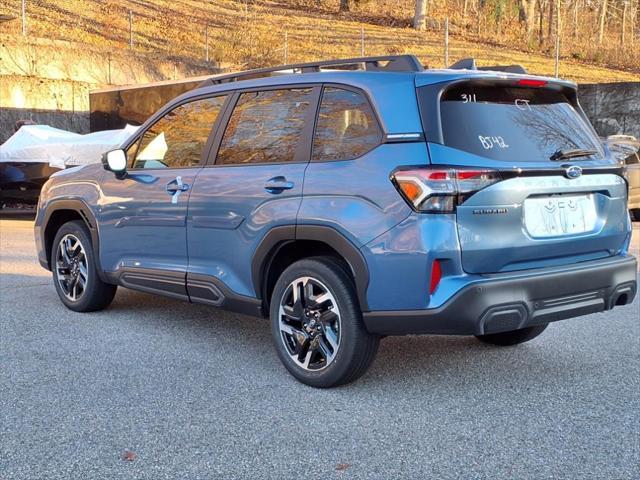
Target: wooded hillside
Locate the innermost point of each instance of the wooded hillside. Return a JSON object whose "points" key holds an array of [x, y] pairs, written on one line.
{"points": [[598, 39]]}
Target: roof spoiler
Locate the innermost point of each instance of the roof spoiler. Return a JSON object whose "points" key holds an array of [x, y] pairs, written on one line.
{"points": [[470, 64], [388, 63]]}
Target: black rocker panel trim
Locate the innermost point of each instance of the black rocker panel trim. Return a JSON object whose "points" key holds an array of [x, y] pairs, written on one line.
{"points": [[210, 290], [162, 282], [195, 288]]}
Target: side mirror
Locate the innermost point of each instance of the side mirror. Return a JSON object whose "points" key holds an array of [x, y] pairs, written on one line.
{"points": [[624, 148], [115, 161]]}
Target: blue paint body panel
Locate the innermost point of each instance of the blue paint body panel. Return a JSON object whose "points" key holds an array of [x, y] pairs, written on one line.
{"points": [[356, 197], [141, 224], [230, 212]]}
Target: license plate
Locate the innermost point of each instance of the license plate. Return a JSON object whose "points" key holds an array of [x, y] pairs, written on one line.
{"points": [[560, 215]]}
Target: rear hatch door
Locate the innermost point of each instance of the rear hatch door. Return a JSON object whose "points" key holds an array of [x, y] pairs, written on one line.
{"points": [[561, 198]]}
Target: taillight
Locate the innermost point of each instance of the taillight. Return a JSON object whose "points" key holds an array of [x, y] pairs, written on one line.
{"points": [[440, 190]]}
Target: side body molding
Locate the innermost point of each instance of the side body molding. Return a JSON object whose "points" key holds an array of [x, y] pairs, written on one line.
{"points": [[278, 237]]}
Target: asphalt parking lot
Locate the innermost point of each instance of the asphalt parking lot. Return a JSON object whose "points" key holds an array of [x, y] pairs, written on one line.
{"points": [[186, 391]]}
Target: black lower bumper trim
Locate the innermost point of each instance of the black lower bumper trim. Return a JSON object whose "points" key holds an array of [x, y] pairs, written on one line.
{"points": [[505, 302]]}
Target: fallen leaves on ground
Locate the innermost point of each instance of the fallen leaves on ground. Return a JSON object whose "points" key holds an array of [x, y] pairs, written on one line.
{"points": [[129, 456]]}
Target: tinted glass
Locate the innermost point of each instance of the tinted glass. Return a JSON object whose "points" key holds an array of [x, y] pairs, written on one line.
{"points": [[512, 123], [265, 127], [177, 139], [346, 126]]}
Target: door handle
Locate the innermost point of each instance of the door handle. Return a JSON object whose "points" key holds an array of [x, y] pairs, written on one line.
{"points": [[277, 185], [177, 186]]}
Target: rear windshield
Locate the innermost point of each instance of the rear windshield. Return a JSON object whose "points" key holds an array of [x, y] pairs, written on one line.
{"points": [[512, 123]]}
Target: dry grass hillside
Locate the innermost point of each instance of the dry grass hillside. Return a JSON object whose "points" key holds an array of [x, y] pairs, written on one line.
{"points": [[251, 33]]}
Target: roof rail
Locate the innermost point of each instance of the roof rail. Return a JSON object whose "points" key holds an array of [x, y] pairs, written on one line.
{"points": [[394, 63], [470, 64]]}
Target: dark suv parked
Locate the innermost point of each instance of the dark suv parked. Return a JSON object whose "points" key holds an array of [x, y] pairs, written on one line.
{"points": [[347, 205]]}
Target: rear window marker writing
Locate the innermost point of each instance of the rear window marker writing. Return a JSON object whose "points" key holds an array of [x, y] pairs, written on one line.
{"points": [[489, 142]]}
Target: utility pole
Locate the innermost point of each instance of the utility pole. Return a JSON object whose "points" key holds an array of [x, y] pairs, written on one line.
{"points": [[624, 22], [130, 29], [557, 64], [286, 48], [575, 19], [446, 42], [206, 43], [24, 17]]}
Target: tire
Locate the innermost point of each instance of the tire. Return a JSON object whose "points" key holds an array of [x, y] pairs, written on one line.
{"points": [[341, 348], [514, 337], [75, 275]]}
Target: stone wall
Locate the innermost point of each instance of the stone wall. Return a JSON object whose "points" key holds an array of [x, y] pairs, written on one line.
{"points": [[66, 120], [613, 108]]}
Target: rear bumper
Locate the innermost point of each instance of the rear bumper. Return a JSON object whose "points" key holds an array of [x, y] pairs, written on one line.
{"points": [[504, 302]]}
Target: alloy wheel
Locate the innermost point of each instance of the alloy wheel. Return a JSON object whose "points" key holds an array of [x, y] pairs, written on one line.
{"points": [[71, 267], [309, 322]]}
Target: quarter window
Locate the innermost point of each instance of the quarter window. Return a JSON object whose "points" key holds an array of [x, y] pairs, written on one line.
{"points": [[265, 127], [346, 127], [178, 138]]}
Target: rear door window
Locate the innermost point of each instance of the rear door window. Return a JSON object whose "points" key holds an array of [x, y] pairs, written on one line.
{"points": [[346, 126], [265, 127], [512, 123]]}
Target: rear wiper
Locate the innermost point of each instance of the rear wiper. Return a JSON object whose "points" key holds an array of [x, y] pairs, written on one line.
{"points": [[563, 154]]}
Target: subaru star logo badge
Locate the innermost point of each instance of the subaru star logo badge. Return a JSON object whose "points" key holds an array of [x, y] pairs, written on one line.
{"points": [[573, 171]]}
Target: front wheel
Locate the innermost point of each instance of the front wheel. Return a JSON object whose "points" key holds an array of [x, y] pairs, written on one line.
{"points": [[317, 324], [74, 270], [514, 337]]}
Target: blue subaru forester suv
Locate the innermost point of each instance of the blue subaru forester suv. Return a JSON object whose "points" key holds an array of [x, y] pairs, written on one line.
{"points": [[353, 199]]}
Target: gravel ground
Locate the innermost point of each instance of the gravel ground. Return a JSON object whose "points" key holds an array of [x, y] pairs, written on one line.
{"points": [[188, 392]]}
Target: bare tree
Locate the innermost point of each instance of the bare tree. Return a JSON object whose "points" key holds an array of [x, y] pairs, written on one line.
{"points": [[345, 6], [420, 17], [527, 15], [603, 18], [542, 5]]}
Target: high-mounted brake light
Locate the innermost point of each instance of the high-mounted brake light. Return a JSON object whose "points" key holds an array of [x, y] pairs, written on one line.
{"points": [[437, 190], [530, 82]]}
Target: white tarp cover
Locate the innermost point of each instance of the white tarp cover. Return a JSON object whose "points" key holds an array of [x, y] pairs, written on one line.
{"points": [[59, 148]]}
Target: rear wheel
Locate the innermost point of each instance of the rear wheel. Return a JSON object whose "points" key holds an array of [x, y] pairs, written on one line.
{"points": [[505, 339], [317, 325], [74, 270]]}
